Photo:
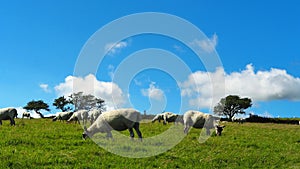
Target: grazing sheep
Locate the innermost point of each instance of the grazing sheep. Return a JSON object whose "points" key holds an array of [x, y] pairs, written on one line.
{"points": [[61, 116], [119, 120], [8, 114], [166, 117], [198, 119], [240, 120], [79, 115], [94, 114], [158, 117], [26, 114]]}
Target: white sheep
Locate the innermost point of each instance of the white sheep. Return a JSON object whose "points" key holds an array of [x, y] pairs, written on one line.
{"points": [[198, 119], [8, 114], [61, 116], [166, 117], [158, 118], [120, 119], [26, 114], [240, 120], [94, 114], [80, 115]]}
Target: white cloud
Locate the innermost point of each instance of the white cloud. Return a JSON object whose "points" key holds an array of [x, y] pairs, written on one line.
{"points": [[137, 82], [153, 92], [178, 48], [111, 70], [108, 91], [266, 114], [45, 87], [273, 84], [207, 45], [113, 48]]}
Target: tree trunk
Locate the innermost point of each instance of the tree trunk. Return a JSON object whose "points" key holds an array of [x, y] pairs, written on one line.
{"points": [[39, 113], [230, 116]]}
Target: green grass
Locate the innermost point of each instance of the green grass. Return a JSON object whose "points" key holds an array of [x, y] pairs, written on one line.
{"points": [[41, 143]]}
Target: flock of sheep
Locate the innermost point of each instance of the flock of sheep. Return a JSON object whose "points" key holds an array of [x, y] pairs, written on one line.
{"points": [[123, 119]]}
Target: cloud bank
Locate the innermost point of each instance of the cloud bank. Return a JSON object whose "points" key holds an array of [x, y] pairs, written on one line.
{"points": [[89, 84], [268, 85]]}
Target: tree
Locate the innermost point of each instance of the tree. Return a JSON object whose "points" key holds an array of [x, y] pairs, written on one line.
{"points": [[87, 102], [37, 106], [61, 103], [232, 105]]}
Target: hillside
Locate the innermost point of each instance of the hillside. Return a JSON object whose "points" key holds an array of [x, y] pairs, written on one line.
{"points": [[41, 143]]}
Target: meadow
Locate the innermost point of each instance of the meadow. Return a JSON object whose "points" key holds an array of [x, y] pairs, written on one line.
{"points": [[41, 143]]}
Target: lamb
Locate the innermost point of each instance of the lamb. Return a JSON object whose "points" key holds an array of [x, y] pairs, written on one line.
{"points": [[94, 114], [166, 117], [79, 115], [8, 113], [26, 114], [198, 119], [61, 116], [120, 119]]}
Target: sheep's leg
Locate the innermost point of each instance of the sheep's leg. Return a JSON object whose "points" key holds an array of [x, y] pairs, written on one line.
{"points": [[207, 131], [12, 122], [109, 135], [186, 129], [137, 129], [0, 122], [131, 133]]}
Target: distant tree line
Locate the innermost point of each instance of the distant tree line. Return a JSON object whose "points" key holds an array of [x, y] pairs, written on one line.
{"points": [[74, 102], [258, 119]]}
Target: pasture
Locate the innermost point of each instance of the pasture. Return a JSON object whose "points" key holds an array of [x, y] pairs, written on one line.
{"points": [[41, 143]]}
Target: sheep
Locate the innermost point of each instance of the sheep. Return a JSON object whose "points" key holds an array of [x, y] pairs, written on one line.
{"points": [[239, 120], [166, 117], [198, 119], [8, 113], [79, 115], [94, 114], [26, 114], [120, 119], [158, 117], [61, 116]]}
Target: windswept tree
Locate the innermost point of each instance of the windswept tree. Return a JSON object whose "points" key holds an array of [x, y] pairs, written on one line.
{"points": [[232, 105], [87, 102], [37, 106], [62, 104]]}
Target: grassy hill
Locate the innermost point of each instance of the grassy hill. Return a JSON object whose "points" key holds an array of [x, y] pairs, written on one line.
{"points": [[41, 143]]}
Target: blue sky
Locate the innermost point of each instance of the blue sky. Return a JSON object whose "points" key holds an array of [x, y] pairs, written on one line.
{"points": [[257, 42]]}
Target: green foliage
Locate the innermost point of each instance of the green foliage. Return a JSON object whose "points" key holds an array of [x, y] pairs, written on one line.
{"points": [[231, 105], [40, 143], [61, 103], [37, 106], [87, 102]]}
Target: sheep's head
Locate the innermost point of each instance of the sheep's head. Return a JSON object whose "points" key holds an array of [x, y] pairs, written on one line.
{"points": [[85, 133], [219, 130]]}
